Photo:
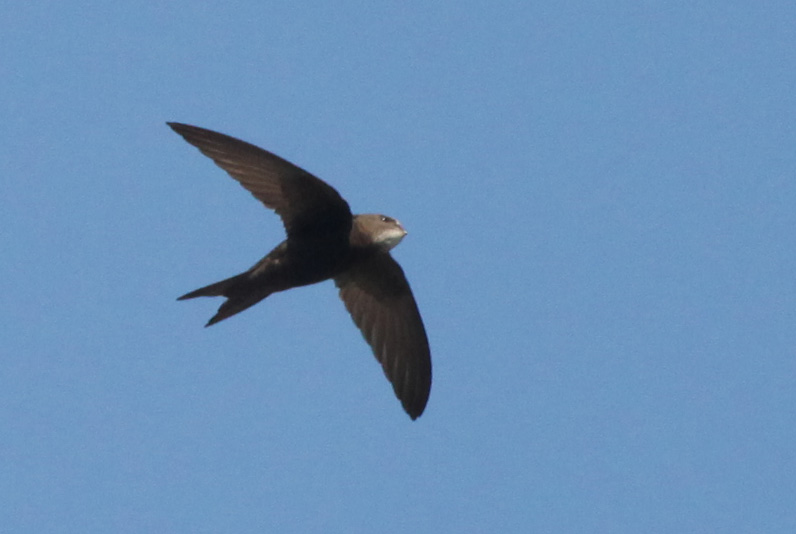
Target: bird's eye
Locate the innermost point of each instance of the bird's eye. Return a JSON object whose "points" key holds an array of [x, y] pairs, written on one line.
{"points": [[384, 218]]}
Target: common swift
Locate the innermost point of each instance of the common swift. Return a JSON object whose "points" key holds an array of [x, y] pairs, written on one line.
{"points": [[324, 241]]}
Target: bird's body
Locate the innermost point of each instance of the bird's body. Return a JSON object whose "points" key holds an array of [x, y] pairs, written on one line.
{"points": [[296, 263], [325, 241]]}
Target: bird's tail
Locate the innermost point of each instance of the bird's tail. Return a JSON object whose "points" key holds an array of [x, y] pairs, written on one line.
{"points": [[239, 292], [219, 289]]}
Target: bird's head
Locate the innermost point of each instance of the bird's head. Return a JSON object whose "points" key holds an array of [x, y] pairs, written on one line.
{"points": [[380, 230]]}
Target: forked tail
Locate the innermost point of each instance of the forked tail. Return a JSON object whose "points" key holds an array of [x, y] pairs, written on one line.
{"points": [[238, 290]]}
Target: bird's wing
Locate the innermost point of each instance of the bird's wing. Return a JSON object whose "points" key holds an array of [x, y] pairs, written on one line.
{"points": [[380, 301], [308, 206]]}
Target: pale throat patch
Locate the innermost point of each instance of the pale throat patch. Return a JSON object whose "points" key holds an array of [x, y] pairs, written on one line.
{"points": [[390, 237]]}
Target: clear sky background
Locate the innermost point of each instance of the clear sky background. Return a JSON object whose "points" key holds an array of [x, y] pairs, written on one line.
{"points": [[601, 205]]}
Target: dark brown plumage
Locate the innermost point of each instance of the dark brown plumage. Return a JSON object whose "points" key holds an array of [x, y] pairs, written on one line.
{"points": [[325, 241]]}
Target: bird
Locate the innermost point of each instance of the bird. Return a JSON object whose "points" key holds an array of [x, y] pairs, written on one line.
{"points": [[324, 241]]}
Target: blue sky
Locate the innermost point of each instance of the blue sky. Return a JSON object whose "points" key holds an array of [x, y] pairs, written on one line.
{"points": [[600, 200]]}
